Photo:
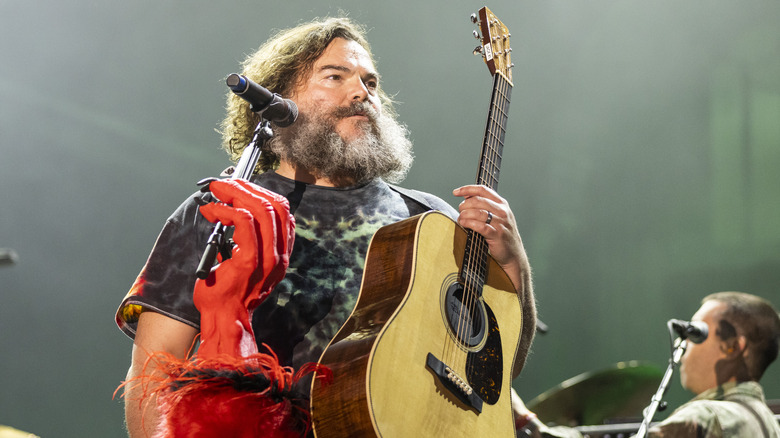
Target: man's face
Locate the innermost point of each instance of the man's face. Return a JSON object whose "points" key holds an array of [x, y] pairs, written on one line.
{"points": [[341, 76], [342, 137], [697, 366]]}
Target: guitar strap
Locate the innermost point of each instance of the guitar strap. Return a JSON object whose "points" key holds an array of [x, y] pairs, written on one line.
{"points": [[413, 195]]}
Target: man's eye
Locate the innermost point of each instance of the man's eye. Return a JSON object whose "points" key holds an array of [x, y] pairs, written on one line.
{"points": [[372, 85]]}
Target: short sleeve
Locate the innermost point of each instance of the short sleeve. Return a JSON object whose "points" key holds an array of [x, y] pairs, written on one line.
{"points": [[167, 279]]}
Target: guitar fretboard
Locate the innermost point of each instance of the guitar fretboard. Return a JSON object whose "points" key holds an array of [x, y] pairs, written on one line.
{"points": [[493, 142], [475, 258]]}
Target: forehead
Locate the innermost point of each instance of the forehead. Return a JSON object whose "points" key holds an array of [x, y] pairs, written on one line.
{"points": [[344, 53], [709, 311]]}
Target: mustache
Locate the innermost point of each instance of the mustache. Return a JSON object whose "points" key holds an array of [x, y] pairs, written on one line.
{"points": [[356, 109]]}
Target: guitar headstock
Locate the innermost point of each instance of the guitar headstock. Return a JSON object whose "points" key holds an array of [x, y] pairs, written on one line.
{"points": [[494, 37]]}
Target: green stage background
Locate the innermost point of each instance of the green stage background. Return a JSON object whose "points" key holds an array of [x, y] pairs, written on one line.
{"points": [[641, 161]]}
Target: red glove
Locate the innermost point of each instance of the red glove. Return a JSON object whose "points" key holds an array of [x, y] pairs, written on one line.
{"points": [[263, 236]]}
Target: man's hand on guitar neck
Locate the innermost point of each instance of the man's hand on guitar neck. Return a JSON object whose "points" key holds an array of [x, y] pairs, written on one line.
{"points": [[488, 214]]}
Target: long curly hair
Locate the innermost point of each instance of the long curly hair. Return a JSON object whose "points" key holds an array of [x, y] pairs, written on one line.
{"points": [[281, 64]]}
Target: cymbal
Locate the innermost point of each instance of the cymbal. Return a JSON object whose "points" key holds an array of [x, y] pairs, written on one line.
{"points": [[620, 391]]}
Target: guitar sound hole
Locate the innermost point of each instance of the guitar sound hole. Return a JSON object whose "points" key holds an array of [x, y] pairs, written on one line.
{"points": [[466, 317]]}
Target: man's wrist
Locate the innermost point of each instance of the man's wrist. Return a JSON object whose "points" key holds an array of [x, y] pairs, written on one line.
{"points": [[522, 421], [529, 426]]}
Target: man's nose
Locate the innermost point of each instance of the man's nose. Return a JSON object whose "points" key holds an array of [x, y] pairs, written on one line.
{"points": [[358, 90]]}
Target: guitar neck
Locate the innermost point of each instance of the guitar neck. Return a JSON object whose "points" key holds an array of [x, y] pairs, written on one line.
{"points": [[475, 258], [493, 142]]}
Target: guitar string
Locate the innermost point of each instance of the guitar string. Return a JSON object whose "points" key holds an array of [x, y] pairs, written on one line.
{"points": [[467, 300], [499, 119], [494, 145], [473, 240], [478, 254], [467, 270], [474, 270], [490, 170]]}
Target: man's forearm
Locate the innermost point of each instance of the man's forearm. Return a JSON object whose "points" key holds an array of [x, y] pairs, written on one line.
{"points": [[155, 333], [141, 414]]}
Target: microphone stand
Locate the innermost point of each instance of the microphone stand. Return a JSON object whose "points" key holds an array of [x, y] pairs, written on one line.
{"points": [[679, 349], [244, 170]]}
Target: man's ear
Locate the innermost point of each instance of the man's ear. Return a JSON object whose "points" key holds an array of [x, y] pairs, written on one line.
{"points": [[733, 347]]}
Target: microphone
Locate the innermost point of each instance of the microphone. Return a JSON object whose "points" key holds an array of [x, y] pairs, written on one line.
{"points": [[274, 107], [695, 331], [8, 256]]}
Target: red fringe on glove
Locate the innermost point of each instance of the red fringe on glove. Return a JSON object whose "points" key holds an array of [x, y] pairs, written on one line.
{"points": [[229, 397]]}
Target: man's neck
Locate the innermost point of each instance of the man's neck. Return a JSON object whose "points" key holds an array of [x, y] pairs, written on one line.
{"points": [[286, 170]]}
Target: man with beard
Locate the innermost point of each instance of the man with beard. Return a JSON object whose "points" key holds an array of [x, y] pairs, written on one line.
{"points": [[333, 165]]}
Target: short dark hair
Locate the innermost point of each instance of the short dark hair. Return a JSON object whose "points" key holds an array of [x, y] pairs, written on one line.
{"points": [[757, 320]]}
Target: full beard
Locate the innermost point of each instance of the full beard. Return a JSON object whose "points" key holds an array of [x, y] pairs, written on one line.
{"points": [[381, 150]]}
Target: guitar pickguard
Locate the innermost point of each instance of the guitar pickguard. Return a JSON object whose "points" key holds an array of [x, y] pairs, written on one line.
{"points": [[484, 367]]}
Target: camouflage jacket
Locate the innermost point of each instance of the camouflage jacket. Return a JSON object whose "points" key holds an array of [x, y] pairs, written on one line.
{"points": [[730, 410]]}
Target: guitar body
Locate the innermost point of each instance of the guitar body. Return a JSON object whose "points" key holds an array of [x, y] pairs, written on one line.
{"points": [[385, 383]]}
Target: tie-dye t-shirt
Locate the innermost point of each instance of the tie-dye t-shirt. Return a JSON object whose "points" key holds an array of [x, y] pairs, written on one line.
{"points": [[333, 229]]}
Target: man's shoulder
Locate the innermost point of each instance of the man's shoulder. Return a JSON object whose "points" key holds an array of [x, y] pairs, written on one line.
{"points": [[711, 418], [702, 409], [695, 418]]}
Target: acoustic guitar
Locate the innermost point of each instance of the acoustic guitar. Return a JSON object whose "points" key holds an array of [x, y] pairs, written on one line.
{"points": [[428, 350]]}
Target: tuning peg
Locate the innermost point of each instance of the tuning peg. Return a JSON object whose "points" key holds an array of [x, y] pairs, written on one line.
{"points": [[477, 51], [475, 33], [474, 18]]}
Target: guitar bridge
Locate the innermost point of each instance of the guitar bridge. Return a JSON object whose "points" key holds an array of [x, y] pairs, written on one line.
{"points": [[452, 381]]}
